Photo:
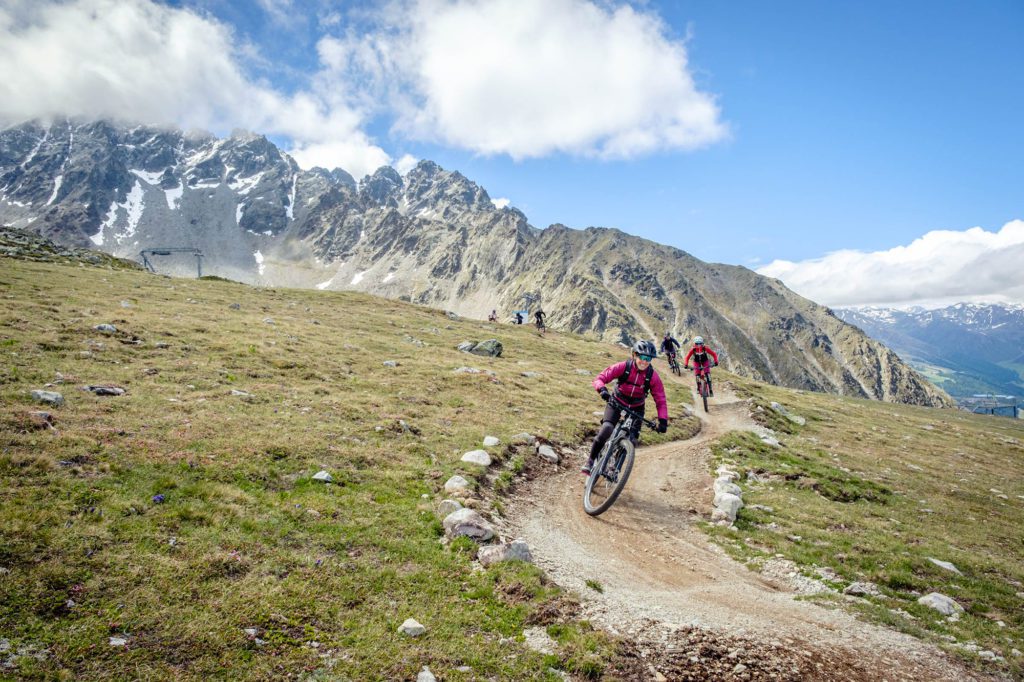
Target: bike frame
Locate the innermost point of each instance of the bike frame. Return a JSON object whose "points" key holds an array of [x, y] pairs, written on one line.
{"points": [[622, 429]]}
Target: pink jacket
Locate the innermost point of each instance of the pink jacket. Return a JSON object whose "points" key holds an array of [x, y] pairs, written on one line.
{"points": [[631, 391]]}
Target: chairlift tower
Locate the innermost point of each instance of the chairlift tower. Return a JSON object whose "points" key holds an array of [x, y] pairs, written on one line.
{"points": [[145, 253]]}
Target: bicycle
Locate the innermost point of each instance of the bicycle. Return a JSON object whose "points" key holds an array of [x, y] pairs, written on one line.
{"points": [[611, 470], [703, 384], [673, 364]]}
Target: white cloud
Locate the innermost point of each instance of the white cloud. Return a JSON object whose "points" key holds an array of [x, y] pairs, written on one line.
{"points": [[139, 61], [406, 164], [531, 77], [943, 265], [500, 203]]}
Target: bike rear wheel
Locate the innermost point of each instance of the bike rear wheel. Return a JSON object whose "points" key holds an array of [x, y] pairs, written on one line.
{"points": [[609, 478]]}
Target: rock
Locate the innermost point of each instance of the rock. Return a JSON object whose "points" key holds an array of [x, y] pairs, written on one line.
{"points": [[531, 375], [785, 413], [467, 370], [728, 504], [466, 346], [468, 523], [235, 306], [411, 627], [241, 394], [523, 439], [446, 507], [726, 472], [425, 675], [126, 304], [538, 639], [390, 363], [1015, 653], [584, 372], [548, 453], [490, 347], [105, 389], [517, 550], [323, 476], [118, 641], [738, 669], [268, 320], [41, 420], [480, 457], [946, 565], [456, 484], [106, 328], [987, 655], [251, 632], [771, 440], [941, 603], [725, 485], [450, 315], [48, 397], [762, 507], [491, 441]]}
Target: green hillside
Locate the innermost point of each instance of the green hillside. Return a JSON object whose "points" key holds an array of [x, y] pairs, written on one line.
{"points": [[182, 514]]}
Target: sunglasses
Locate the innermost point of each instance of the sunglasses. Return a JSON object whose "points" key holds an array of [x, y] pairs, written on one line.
{"points": [[645, 358]]}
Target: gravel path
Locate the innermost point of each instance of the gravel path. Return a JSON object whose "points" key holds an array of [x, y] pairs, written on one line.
{"points": [[664, 584]]}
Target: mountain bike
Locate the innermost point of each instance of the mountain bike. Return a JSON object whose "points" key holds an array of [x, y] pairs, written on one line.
{"points": [[613, 466], [704, 384], [673, 364]]}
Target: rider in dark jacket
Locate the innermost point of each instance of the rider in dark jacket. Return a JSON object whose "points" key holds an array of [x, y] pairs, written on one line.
{"points": [[669, 345], [631, 392]]}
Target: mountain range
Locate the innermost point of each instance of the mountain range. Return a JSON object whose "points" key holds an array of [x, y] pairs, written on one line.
{"points": [[431, 236], [967, 348]]}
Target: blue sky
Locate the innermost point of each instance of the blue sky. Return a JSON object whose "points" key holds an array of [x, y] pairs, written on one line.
{"points": [[744, 132]]}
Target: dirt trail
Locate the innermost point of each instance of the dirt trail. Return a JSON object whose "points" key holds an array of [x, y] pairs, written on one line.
{"points": [[660, 573]]}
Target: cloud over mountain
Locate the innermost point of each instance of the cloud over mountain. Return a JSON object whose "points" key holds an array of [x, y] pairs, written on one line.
{"points": [[973, 264]]}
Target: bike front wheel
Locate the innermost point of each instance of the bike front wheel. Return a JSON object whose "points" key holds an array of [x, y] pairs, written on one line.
{"points": [[609, 478]]}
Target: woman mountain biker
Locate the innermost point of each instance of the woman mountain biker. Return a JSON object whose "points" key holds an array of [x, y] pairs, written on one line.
{"points": [[669, 346], [702, 356], [636, 378]]}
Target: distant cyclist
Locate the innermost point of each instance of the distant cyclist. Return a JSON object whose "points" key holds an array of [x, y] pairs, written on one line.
{"points": [[538, 318], [636, 378], [493, 317], [519, 317], [702, 357], [669, 346]]}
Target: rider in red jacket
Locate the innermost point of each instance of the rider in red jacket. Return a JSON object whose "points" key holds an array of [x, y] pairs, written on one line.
{"points": [[702, 358]]}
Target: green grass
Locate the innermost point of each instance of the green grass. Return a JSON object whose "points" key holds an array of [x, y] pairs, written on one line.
{"points": [[873, 490], [244, 538]]}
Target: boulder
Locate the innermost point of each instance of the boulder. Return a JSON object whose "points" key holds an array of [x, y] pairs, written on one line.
{"points": [[105, 389], [941, 603], [446, 507], [480, 457], [724, 484], [323, 476], [411, 627], [466, 346], [467, 370], [548, 453], [466, 522], [106, 328], [517, 550], [48, 397], [523, 439], [456, 484], [490, 347], [491, 441], [861, 589], [425, 675], [796, 419], [390, 363], [728, 504], [726, 472]]}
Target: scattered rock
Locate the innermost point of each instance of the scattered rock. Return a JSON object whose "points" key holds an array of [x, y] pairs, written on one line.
{"points": [[105, 389], [411, 627], [941, 603], [456, 484], [523, 439], [480, 457], [727, 506], [235, 306], [48, 397], [126, 304], [531, 375], [725, 472], [862, 589], [446, 507], [548, 453], [241, 394], [491, 441], [771, 440], [515, 550], [425, 675], [584, 372], [106, 328], [323, 476], [466, 346], [466, 522], [390, 363], [724, 484], [946, 565], [118, 641], [450, 315], [538, 639], [41, 420], [762, 507], [796, 419], [467, 370]]}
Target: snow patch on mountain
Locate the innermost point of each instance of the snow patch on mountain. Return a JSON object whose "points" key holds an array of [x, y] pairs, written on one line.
{"points": [[57, 182], [259, 262], [146, 176], [173, 196]]}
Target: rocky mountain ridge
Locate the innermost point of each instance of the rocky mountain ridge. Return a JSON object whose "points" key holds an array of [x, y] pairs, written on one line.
{"points": [[432, 237]]}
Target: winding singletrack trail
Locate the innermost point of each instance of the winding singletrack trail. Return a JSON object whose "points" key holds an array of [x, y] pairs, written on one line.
{"points": [[659, 572]]}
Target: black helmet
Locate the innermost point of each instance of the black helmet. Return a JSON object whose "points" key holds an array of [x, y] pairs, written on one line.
{"points": [[644, 347]]}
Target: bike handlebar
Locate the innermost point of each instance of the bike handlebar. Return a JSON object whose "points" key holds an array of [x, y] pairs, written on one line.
{"points": [[639, 416]]}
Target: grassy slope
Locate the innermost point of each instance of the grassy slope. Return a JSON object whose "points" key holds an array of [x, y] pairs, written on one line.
{"points": [[874, 489], [326, 573]]}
